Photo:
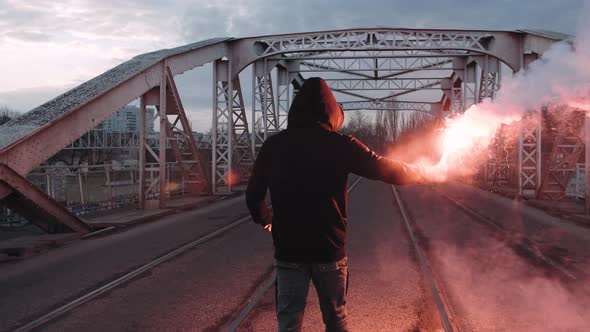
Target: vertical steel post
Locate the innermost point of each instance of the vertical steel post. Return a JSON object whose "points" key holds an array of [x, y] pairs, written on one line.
{"points": [[107, 171], [163, 136], [142, 139], [81, 185], [520, 152], [587, 160], [263, 98], [253, 133], [539, 151], [214, 133], [222, 127], [230, 128]]}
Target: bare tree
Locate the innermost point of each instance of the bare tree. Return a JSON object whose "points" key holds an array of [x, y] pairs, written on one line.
{"points": [[7, 114]]}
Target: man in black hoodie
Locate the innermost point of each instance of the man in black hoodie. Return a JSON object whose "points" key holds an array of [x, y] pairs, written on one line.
{"points": [[306, 168]]}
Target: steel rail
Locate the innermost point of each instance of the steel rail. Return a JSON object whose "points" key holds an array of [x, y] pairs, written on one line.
{"points": [[439, 299], [233, 325], [125, 278], [483, 219]]}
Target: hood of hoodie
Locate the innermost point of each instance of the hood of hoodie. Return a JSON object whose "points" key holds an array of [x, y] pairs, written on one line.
{"points": [[315, 104]]}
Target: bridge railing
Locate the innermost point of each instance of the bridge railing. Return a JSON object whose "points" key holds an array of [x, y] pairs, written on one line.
{"points": [[91, 189]]}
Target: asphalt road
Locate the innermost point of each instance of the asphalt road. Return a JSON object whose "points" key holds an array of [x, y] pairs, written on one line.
{"points": [[36, 285], [488, 282], [386, 287]]}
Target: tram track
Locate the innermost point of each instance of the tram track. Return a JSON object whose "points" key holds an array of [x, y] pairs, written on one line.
{"points": [[448, 320], [512, 238], [71, 305], [433, 284]]}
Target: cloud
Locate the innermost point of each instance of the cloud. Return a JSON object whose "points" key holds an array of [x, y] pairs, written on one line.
{"points": [[256, 17], [31, 36], [48, 44]]}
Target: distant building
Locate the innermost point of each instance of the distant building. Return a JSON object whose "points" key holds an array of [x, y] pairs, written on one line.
{"points": [[127, 119]]}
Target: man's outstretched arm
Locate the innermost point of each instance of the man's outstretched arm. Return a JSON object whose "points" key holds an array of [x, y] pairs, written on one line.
{"points": [[366, 163], [256, 193]]}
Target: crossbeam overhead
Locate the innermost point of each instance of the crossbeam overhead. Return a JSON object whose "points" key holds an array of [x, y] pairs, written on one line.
{"points": [[385, 84], [391, 105]]}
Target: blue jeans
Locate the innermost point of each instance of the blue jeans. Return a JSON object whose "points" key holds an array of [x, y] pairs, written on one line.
{"points": [[331, 283]]}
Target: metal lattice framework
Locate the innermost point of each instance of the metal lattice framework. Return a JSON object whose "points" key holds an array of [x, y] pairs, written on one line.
{"points": [[568, 148], [376, 39], [264, 116], [365, 62], [529, 157], [431, 108], [393, 84], [501, 168], [384, 59]]}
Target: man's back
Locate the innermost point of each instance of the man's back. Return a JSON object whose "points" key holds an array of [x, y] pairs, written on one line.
{"points": [[306, 169]]}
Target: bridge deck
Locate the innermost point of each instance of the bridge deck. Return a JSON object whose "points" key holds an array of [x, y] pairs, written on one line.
{"points": [[491, 282]]}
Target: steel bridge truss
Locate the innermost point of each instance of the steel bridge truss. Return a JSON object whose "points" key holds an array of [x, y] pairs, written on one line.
{"points": [[529, 155], [230, 132], [176, 135], [464, 66], [392, 105]]}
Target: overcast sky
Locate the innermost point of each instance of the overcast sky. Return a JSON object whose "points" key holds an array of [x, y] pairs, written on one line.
{"points": [[50, 46]]}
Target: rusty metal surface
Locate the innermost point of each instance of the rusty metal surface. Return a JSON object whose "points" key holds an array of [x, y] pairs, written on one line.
{"points": [[20, 127]]}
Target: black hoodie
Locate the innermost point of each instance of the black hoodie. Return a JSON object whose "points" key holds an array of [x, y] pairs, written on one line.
{"points": [[306, 168]]}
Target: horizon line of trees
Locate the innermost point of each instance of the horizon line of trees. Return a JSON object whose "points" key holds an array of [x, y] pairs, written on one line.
{"points": [[391, 129]]}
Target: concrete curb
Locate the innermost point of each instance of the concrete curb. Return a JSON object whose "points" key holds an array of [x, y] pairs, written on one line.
{"points": [[155, 216], [15, 253]]}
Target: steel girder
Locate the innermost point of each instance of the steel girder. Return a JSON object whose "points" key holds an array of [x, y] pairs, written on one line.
{"points": [[489, 82], [529, 155], [23, 197], [453, 90], [180, 135], [393, 105], [230, 131], [501, 165], [567, 149], [506, 46], [175, 135], [366, 63], [222, 128], [264, 116], [283, 96], [390, 84], [241, 133]]}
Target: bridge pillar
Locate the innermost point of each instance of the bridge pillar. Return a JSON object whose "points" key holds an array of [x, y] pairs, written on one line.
{"points": [[244, 150], [163, 129], [283, 96], [264, 115], [452, 88], [232, 150], [529, 155], [489, 83], [222, 127], [469, 84], [586, 161]]}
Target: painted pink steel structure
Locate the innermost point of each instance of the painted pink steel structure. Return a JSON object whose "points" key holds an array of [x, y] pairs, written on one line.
{"points": [[390, 60]]}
